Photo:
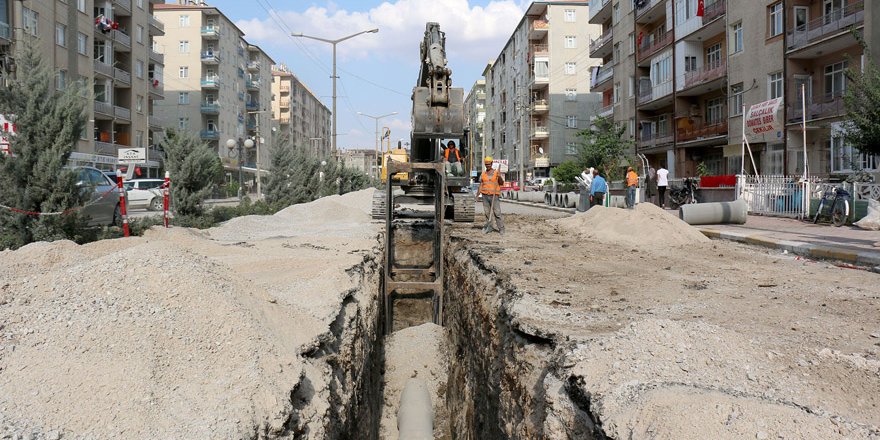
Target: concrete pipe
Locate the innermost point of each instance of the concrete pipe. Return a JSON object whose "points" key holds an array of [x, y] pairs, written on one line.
{"points": [[548, 198], [715, 213], [535, 197], [571, 200], [557, 199], [415, 418]]}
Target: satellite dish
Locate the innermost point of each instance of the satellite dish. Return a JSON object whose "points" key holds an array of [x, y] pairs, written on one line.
{"points": [[541, 150]]}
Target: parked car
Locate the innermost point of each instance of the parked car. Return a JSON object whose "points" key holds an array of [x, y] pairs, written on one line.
{"points": [[144, 193], [542, 182], [103, 205]]}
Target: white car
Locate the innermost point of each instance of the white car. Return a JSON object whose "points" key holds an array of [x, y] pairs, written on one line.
{"points": [[145, 193]]}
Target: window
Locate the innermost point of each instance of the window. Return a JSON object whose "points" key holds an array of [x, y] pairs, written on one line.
{"points": [[139, 104], [184, 20], [570, 68], [82, 43], [661, 70], [801, 17], [183, 72], [139, 138], [571, 148], [183, 98], [774, 85], [776, 19], [631, 124], [29, 21], [736, 99], [61, 80], [616, 93], [571, 94], [81, 5], [183, 124], [571, 121], [570, 42], [632, 86], [60, 34], [736, 38], [140, 3], [775, 157], [570, 15], [713, 56], [690, 64], [835, 79], [616, 11], [845, 158], [616, 57], [632, 43], [139, 34], [183, 46], [715, 111], [833, 10], [139, 69]]}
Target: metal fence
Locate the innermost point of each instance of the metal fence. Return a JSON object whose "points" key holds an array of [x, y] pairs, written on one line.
{"points": [[779, 196]]}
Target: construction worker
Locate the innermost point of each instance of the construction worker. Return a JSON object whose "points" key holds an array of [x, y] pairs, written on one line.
{"points": [[453, 159], [632, 183], [490, 188]]}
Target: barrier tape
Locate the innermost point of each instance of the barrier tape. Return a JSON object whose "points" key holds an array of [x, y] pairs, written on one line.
{"points": [[65, 212]]}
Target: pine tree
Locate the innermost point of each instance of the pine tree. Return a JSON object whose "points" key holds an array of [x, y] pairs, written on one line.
{"points": [[195, 169], [48, 124]]}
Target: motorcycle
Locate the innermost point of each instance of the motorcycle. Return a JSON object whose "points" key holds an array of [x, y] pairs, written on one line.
{"points": [[687, 193]]}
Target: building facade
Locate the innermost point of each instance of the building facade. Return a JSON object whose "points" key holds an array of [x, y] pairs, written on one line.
{"points": [[537, 89], [219, 86], [301, 115], [475, 117], [108, 48], [362, 159], [698, 65]]}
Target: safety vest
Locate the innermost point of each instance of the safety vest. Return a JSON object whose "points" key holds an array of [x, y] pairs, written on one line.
{"points": [[632, 179], [490, 184], [457, 156]]}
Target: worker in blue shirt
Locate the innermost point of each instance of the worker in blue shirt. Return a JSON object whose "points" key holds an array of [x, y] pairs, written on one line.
{"points": [[598, 188]]}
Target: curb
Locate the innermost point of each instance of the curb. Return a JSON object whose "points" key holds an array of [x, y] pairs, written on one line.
{"points": [[798, 247], [540, 205]]}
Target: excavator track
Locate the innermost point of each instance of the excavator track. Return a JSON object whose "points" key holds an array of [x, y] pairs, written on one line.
{"points": [[463, 208]]}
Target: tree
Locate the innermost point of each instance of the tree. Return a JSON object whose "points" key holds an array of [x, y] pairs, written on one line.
{"points": [[48, 124], [862, 101], [566, 171], [194, 168], [603, 146]]}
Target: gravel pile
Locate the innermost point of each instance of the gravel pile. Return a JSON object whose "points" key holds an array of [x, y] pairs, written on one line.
{"points": [[646, 225]]}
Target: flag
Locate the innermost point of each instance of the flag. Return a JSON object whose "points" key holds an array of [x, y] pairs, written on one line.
{"points": [[700, 8]]}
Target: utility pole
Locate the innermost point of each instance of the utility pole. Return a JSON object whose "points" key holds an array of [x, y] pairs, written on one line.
{"points": [[376, 119], [523, 105], [259, 141]]}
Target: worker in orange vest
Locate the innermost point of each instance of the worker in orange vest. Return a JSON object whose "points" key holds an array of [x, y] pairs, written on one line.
{"points": [[453, 159], [632, 183], [490, 188]]}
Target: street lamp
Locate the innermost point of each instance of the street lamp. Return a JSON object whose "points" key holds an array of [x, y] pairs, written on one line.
{"points": [[334, 43], [376, 118], [232, 152]]}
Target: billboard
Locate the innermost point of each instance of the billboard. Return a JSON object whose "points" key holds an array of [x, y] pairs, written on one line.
{"points": [[764, 118]]}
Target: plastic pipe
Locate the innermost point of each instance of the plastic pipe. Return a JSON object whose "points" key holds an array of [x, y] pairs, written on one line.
{"points": [[415, 418]]}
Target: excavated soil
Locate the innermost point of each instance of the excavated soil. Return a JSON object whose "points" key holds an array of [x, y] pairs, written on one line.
{"points": [[602, 330]]}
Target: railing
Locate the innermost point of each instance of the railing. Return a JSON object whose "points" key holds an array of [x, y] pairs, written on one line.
{"points": [[122, 112], [645, 7], [646, 93], [154, 22], [122, 38], [210, 108], [540, 25], [703, 131], [157, 57], [155, 122], [253, 83], [251, 125], [705, 74], [650, 139], [539, 130], [285, 89], [539, 105], [104, 107], [284, 120], [211, 31], [211, 82], [284, 103], [779, 196], [121, 75], [606, 110], [252, 106], [837, 21], [125, 5], [601, 41], [253, 65], [830, 106], [603, 74], [540, 50], [713, 11], [5, 32], [104, 68], [210, 57], [596, 6], [647, 49], [540, 79], [106, 148], [209, 134]]}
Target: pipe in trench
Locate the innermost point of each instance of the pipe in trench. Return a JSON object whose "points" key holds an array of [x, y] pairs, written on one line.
{"points": [[415, 418]]}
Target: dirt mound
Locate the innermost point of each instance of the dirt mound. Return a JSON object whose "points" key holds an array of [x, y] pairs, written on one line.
{"points": [[646, 225]]}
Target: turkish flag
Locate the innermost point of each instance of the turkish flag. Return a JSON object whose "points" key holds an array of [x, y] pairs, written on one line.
{"points": [[700, 8]]}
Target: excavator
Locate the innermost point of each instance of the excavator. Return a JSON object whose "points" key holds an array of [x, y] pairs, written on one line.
{"points": [[416, 209]]}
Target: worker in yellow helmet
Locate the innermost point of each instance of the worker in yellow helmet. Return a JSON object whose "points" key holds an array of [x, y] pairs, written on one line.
{"points": [[490, 188]]}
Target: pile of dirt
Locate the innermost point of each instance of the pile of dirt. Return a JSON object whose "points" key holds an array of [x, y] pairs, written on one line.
{"points": [[646, 225]]}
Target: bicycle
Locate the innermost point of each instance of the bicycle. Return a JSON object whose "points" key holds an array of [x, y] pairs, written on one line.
{"points": [[838, 211]]}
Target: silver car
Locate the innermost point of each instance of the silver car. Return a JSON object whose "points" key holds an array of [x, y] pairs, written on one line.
{"points": [[102, 208]]}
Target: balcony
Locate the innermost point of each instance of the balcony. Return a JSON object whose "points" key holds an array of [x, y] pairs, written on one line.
{"points": [[539, 106], [540, 81], [156, 26], [253, 84], [122, 7], [210, 108], [121, 113], [157, 57], [703, 131], [155, 124], [601, 46], [651, 96], [714, 11], [705, 27], [284, 120], [123, 41], [652, 44], [539, 131], [211, 32], [209, 135], [538, 30], [210, 58], [828, 106], [601, 75], [600, 11], [606, 111], [5, 32], [157, 89], [704, 76], [650, 11], [106, 148], [103, 109], [210, 83], [251, 125], [284, 103], [822, 32], [104, 69], [253, 66], [540, 50], [652, 135], [252, 106], [285, 89], [122, 77]]}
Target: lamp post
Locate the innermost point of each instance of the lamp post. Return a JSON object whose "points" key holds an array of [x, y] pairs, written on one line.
{"points": [[334, 43], [259, 140], [231, 145], [376, 118]]}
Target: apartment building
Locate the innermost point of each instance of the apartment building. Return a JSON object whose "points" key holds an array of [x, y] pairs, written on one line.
{"points": [[219, 85], [697, 64], [537, 89], [475, 116], [107, 46], [299, 112], [362, 159]]}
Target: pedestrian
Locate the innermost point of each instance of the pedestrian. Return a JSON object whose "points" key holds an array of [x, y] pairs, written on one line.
{"points": [[651, 184], [490, 188], [453, 159], [632, 184], [598, 188], [662, 182]]}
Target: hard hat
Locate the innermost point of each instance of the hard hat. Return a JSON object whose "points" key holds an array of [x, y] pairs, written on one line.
{"points": [[488, 159]]}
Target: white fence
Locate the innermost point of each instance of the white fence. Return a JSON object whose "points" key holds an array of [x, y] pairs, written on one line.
{"points": [[783, 196]]}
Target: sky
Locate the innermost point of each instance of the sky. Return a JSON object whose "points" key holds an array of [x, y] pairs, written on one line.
{"points": [[376, 71]]}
